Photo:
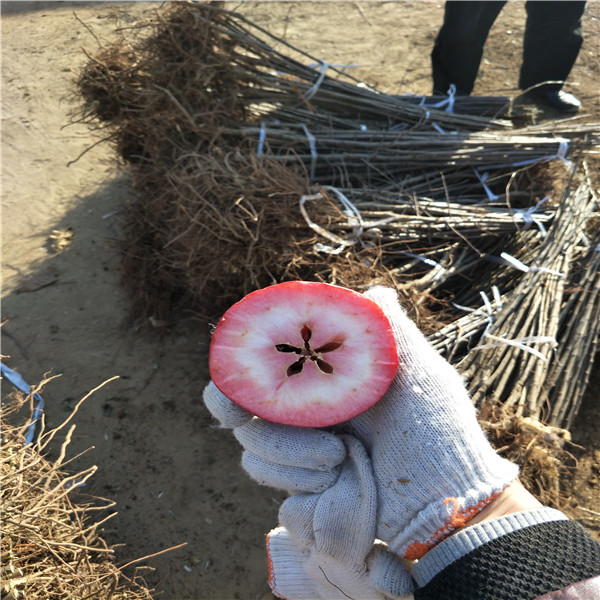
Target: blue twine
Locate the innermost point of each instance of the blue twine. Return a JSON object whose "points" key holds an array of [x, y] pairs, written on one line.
{"points": [[38, 409]]}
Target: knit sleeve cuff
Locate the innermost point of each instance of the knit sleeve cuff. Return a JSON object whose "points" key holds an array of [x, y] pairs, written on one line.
{"points": [[470, 538]]}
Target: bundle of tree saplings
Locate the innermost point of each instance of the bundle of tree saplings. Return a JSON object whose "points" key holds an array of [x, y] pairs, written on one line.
{"points": [[531, 347], [253, 162]]}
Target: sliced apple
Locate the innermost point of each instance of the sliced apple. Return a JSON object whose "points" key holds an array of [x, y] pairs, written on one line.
{"points": [[303, 353]]}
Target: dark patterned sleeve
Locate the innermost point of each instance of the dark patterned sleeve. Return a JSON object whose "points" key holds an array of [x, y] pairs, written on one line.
{"points": [[519, 557]]}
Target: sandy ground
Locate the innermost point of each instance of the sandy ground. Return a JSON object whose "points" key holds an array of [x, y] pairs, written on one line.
{"points": [[174, 477]]}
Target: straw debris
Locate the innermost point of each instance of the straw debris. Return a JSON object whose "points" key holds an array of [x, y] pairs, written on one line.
{"points": [[540, 450], [52, 546]]}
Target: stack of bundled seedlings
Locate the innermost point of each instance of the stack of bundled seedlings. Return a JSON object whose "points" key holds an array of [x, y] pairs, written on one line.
{"points": [[52, 546], [531, 346], [378, 157], [254, 162]]}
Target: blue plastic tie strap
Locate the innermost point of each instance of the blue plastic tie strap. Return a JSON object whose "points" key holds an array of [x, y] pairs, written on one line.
{"points": [[38, 408]]}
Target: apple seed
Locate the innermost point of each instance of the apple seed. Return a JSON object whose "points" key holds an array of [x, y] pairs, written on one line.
{"points": [[308, 352]]}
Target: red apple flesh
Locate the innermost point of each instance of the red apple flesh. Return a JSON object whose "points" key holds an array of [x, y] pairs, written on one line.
{"points": [[303, 353]]}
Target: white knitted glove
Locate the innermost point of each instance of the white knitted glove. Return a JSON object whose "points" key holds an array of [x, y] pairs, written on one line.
{"points": [[432, 465], [326, 549], [297, 573]]}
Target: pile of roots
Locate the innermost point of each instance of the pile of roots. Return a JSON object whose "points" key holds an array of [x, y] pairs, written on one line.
{"points": [[52, 544], [542, 452], [253, 162]]}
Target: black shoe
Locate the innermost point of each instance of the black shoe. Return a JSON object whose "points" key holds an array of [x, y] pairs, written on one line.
{"points": [[557, 99]]}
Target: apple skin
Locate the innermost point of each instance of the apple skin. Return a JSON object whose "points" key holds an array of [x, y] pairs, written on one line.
{"points": [[304, 353]]}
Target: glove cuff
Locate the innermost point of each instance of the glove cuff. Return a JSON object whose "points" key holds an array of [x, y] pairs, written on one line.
{"points": [[287, 577], [442, 517], [301, 574], [473, 537]]}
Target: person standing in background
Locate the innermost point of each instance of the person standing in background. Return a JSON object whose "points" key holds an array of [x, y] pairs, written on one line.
{"points": [[553, 37]]}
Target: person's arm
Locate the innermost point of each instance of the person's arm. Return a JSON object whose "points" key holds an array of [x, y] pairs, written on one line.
{"points": [[514, 498], [527, 550]]}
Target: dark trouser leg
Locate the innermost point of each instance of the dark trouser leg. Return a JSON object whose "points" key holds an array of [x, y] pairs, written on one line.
{"points": [[459, 45], [552, 41]]}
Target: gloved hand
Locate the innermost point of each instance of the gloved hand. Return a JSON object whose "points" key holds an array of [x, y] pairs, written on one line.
{"points": [[432, 466], [327, 544], [327, 548]]}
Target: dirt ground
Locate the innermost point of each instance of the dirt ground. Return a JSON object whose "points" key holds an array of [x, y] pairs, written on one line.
{"points": [[175, 478]]}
